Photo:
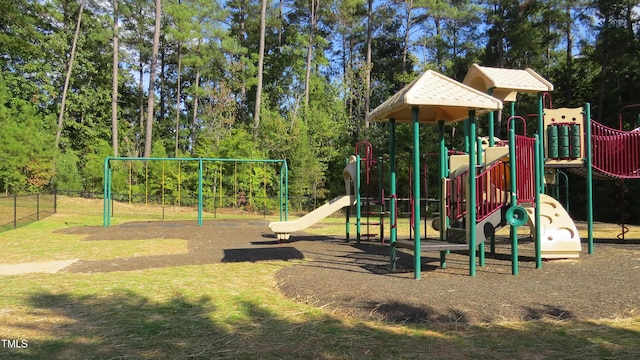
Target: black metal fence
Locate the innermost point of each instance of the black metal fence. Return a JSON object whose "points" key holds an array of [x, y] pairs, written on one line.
{"points": [[20, 210]]}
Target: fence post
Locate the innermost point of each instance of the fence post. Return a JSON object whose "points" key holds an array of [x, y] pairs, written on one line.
{"points": [[55, 201], [38, 207]]}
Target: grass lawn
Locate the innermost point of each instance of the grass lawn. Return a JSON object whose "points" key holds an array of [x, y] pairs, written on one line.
{"points": [[232, 310]]}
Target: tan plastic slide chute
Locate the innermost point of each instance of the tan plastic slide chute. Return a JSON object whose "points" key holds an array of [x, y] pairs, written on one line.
{"points": [[283, 229], [559, 238]]}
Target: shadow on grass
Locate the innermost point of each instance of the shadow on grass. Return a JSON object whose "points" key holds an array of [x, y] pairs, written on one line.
{"points": [[401, 312], [128, 325]]}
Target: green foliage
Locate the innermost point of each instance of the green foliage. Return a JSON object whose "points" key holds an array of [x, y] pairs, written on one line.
{"points": [[307, 172], [92, 166], [67, 175], [25, 144]]}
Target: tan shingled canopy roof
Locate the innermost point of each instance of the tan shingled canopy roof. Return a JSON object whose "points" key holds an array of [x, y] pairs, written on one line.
{"points": [[437, 97], [505, 83]]}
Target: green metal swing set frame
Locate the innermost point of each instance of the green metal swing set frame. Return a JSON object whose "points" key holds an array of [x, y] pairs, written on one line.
{"points": [[283, 183]]}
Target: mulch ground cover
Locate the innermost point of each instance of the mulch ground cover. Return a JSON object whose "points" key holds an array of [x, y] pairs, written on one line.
{"points": [[356, 280]]}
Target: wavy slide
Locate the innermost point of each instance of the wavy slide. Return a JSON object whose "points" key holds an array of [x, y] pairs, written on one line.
{"points": [[559, 238]]}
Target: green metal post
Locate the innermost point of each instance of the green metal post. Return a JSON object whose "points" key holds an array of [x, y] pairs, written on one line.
{"points": [[481, 258], [514, 195], [541, 139], [200, 192], [416, 191], [281, 192], [539, 176], [347, 214], [393, 232], [110, 205], [380, 193], [471, 201], [286, 191], [442, 203], [444, 173], [465, 131], [587, 127], [105, 205], [358, 207]]}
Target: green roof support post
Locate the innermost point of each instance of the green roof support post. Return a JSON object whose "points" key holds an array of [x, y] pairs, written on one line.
{"points": [[381, 194], [347, 212], [105, 206], [286, 190], [539, 161], [444, 172], [281, 193], [514, 196], [541, 140], [416, 191], [465, 132], [200, 192], [492, 144], [479, 161], [491, 127], [589, 160], [393, 231], [471, 200], [538, 181], [358, 207]]}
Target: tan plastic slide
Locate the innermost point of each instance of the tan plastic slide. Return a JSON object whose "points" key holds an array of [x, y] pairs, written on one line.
{"points": [[283, 229], [559, 238]]}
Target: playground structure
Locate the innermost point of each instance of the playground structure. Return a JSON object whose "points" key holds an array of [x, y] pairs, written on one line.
{"points": [[495, 182], [205, 175]]}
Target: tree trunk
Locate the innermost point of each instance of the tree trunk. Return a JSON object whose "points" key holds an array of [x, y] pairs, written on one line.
{"points": [[114, 94], [194, 121], [604, 64], [152, 76], [263, 21], [243, 84], [178, 98], [67, 78], [312, 28], [162, 91], [367, 97], [140, 104], [405, 47], [568, 94]]}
